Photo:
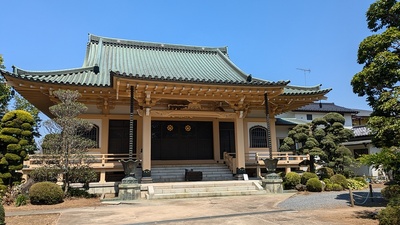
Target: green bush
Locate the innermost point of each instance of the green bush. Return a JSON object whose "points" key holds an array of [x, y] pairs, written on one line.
{"points": [[80, 193], [391, 191], [361, 179], [306, 176], [339, 179], [389, 215], [325, 172], [395, 201], [314, 185], [355, 184], [45, 193], [337, 187], [2, 215], [329, 187], [291, 179], [82, 174], [20, 200], [42, 174]]}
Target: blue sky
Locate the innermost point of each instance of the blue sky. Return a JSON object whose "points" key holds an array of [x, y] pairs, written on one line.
{"points": [[269, 39]]}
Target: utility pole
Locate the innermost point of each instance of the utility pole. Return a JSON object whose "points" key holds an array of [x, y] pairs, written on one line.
{"points": [[305, 78]]}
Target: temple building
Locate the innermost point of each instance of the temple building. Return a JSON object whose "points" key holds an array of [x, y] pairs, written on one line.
{"points": [[192, 104]]}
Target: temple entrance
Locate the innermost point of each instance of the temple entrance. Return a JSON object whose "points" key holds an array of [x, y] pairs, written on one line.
{"points": [[226, 138], [181, 140]]}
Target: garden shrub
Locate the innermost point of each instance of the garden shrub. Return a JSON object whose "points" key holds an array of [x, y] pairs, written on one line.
{"points": [[339, 179], [389, 215], [329, 187], [20, 200], [45, 193], [337, 187], [355, 184], [361, 179], [80, 193], [391, 191], [306, 176], [314, 185], [2, 215], [41, 174], [291, 179], [325, 172]]}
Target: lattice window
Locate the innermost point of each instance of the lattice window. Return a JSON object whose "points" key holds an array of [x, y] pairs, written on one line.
{"points": [[258, 137]]}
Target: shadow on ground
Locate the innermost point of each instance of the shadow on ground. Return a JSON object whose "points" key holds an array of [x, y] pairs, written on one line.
{"points": [[364, 198]]}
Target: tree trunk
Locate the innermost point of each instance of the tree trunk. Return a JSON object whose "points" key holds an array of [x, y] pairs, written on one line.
{"points": [[312, 164]]}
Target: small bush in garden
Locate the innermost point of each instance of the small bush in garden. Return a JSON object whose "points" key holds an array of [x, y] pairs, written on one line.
{"points": [[339, 179], [45, 193], [325, 172], [20, 200], [329, 187], [389, 215], [80, 193], [291, 179], [391, 191], [395, 201], [306, 176], [361, 179], [314, 185], [46, 173], [355, 184], [2, 215], [337, 187]]}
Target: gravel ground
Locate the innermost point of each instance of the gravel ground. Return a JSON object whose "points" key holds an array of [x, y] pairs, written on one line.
{"points": [[333, 199]]}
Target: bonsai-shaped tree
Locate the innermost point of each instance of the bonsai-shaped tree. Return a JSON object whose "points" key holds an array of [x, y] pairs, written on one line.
{"points": [[16, 142], [323, 137], [66, 144]]}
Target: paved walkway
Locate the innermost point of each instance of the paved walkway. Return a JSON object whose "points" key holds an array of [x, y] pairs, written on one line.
{"points": [[260, 209]]}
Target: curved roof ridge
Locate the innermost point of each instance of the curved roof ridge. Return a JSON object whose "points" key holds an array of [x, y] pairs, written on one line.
{"points": [[227, 60], [315, 87], [119, 41], [19, 71]]}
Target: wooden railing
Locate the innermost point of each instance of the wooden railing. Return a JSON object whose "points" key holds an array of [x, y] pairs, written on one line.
{"points": [[94, 160], [286, 160]]}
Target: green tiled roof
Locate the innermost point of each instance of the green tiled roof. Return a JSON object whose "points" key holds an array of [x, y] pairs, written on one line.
{"points": [[290, 90], [146, 60]]}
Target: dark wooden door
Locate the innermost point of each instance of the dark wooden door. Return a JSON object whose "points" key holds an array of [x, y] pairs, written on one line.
{"points": [[181, 140], [226, 138]]}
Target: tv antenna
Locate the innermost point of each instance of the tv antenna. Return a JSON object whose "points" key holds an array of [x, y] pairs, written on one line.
{"points": [[305, 78]]}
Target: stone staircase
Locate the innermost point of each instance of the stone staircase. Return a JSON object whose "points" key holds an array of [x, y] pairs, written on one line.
{"points": [[203, 189], [176, 173]]}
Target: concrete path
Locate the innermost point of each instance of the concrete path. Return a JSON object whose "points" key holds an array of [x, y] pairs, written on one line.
{"points": [[214, 210]]}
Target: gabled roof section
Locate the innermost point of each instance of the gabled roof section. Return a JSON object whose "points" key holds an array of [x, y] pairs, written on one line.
{"points": [[325, 107], [79, 76], [148, 60], [159, 61], [361, 131], [289, 121], [290, 90]]}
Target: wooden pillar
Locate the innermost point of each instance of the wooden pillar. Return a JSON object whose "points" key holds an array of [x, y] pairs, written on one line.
{"points": [[240, 149], [146, 141], [274, 144], [216, 140], [104, 130]]}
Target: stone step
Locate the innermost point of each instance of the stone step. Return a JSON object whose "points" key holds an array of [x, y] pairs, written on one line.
{"points": [[176, 173], [204, 189]]}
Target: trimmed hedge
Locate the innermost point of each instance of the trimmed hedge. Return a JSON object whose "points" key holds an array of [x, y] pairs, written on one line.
{"points": [[314, 185], [45, 193], [339, 179], [306, 176], [325, 172], [291, 179]]}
